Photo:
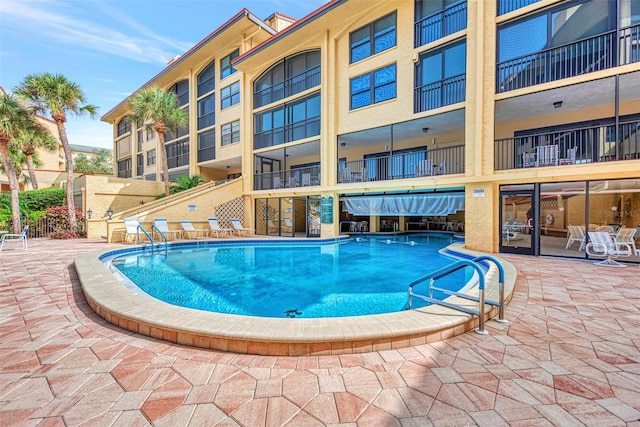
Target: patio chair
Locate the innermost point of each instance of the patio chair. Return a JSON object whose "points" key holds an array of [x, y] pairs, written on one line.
{"points": [[345, 174], [306, 179], [528, 160], [425, 168], [626, 235], [276, 182], [162, 226], [131, 230], [576, 234], [288, 224], [547, 155], [216, 229], [15, 237], [602, 245], [238, 228], [272, 227], [189, 231]]}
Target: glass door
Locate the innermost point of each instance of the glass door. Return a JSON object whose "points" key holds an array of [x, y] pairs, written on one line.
{"points": [[518, 219], [313, 217]]}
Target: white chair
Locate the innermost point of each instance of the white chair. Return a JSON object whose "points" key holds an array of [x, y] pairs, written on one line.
{"points": [[238, 228], [345, 174], [162, 226], [547, 155], [571, 156], [214, 225], [288, 224], [272, 227], [602, 245], [276, 182], [528, 160], [190, 231], [626, 235], [15, 237], [576, 234], [131, 229], [306, 179], [425, 168]]}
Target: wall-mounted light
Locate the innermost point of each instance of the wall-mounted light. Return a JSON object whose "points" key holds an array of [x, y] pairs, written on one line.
{"points": [[433, 141], [557, 104], [89, 212], [342, 144], [425, 130], [110, 212]]}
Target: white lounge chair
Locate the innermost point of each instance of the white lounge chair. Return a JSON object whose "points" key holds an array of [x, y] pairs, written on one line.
{"points": [[162, 226], [238, 227], [576, 234], [214, 225], [12, 237], [602, 245], [131, 230], [288, 225], [189, 231], [626, 235]]}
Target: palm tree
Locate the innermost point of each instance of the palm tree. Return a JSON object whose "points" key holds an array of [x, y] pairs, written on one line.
{"points": [[15, 117], [160, 111], [183, 183], [55, 94], [29, 142]]}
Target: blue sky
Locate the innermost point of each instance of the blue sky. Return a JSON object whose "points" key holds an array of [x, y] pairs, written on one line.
{"points": [[111, 47]]}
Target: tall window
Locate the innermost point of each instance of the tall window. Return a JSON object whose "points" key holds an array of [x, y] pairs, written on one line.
{"points": [[225, 64], [151, 157], [181, 89], [124, 127], [124, 168], [178, 153], [374, 87], [231, 133], [288, 122], [207, 145], [289, 76], [230, 95], [440, 77], [207, 79], [140, 169], [376, 37], [207, 111]]}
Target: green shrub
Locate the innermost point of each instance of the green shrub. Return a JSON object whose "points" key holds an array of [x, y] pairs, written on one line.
{"points": [[36, 200]]}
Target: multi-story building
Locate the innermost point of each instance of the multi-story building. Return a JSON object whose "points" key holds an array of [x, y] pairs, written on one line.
{"points": [[462, 115]]}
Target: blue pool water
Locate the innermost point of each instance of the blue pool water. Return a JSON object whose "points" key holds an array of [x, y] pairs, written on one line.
{"points": [[292, 280]]}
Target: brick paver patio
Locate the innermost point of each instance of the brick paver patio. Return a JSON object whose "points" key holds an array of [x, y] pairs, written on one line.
{"points": [[570, 357]]}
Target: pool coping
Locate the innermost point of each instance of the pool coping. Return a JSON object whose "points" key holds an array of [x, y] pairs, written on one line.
{"points": [[123, 307]]}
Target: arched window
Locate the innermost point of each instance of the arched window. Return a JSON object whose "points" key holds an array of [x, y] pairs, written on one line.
{"points": [[287, 77], [181, 89], [124, 126], [207, 79]]}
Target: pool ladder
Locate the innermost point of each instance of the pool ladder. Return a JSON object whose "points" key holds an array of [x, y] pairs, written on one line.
{"points": [[451, 268], [146, 233]]}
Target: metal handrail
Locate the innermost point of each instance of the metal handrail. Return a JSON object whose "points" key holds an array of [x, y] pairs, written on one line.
{"points": [[444, 271], [140, 227], [498, 264], [157, 230]]}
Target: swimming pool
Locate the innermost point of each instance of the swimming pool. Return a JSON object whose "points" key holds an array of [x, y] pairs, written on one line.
{"points": [[283, 279]]}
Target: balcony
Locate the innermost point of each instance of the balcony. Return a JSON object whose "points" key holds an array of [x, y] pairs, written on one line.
{"points": [[291, 86], [291, 178], [438, 25], [429, 163], [581, 57], [580, 146], [438, 94]]}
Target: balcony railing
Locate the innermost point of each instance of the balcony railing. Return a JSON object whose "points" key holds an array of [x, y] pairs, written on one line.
{"points": [[438, 94], [440, 24], [439, 161], [206, 153], [290, 178], [179, 160], [291, 86], [581, 57], [506, 6], [290, 132], [579, 146]]}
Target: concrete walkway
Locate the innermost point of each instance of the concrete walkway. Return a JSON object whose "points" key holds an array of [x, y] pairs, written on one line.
{"points": [[570, 357]]}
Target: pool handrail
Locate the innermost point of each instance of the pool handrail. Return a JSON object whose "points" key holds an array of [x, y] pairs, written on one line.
{"points": [[444, 271], [498, 264]]}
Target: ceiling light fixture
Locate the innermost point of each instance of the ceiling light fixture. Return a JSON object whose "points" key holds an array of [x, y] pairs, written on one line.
{"points": [[557, 104]]}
